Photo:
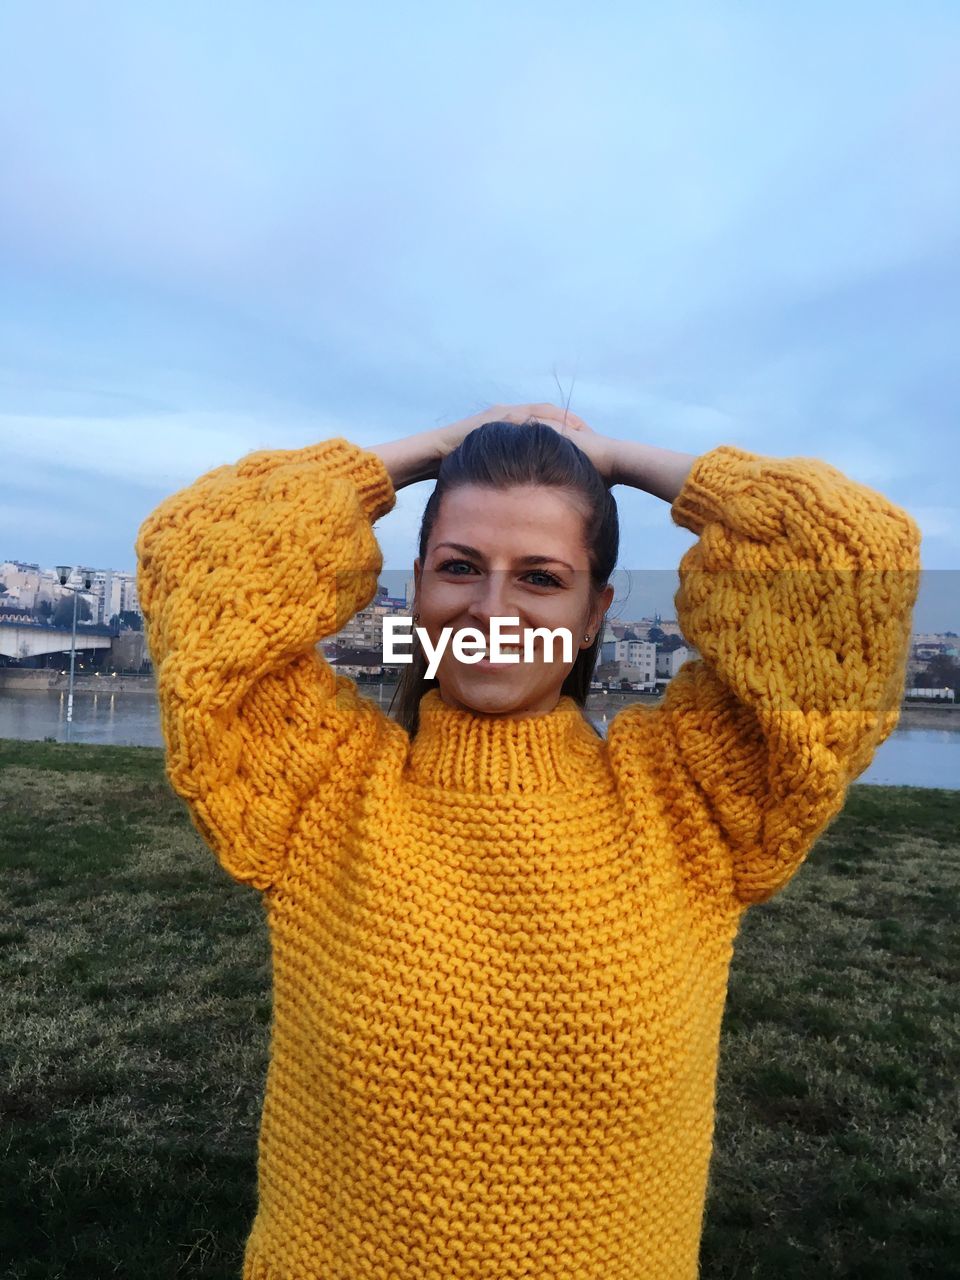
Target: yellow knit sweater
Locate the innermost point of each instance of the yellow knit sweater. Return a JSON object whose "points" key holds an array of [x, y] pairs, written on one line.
{"points": [[501, 950]]}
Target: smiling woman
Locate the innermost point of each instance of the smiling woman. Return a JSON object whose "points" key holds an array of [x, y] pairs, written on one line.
{"points": [[535, 532], [501, 943]]}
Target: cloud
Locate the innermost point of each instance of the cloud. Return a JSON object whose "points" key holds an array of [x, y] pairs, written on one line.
{"points": [[713, 242], [158, 451], [939, 522]]}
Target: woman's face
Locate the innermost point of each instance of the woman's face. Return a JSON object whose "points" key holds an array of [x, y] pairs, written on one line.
{"points": [[474, 571]]}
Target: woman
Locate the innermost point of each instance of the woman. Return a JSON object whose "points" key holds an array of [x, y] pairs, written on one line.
{"points": [[501, 943]]}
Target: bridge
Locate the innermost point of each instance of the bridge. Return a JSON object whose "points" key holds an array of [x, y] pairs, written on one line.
{"points": [[34, 639]]}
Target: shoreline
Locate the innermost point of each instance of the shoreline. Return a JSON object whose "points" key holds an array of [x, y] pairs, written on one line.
{"points": [[913, 715]]}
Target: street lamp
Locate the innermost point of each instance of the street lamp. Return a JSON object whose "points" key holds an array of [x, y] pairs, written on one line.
{"points": [[64, 571]]}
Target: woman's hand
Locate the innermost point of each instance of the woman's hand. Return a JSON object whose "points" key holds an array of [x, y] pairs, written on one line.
{"points": [[418, 457], [598, 448]]}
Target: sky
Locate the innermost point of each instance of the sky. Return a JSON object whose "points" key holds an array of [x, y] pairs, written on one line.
{"points": [[227, 227]]}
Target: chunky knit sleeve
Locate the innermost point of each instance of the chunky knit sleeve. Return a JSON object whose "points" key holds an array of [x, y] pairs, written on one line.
{"points": [[798, 595], [240, 575]]}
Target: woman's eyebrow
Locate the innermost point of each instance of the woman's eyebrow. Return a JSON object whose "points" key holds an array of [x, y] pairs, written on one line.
{"points": [[478, 555]]}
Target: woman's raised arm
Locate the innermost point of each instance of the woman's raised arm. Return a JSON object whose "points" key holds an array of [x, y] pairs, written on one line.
{"points": [[240, 575], [798, 595]]}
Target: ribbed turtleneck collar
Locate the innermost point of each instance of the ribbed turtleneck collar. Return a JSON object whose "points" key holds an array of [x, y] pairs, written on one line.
{"points": [[465, 751]]}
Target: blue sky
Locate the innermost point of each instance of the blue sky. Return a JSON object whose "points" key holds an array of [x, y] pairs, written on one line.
{"points": [[230, 227]]}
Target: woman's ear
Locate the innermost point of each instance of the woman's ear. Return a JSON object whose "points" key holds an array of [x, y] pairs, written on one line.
{"points": [[599, 611]]}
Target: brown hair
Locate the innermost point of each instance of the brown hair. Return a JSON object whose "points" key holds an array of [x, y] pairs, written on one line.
{"points": [[500, 455]]}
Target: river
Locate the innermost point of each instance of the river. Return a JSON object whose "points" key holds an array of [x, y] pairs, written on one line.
{"points": [[916, 757]]}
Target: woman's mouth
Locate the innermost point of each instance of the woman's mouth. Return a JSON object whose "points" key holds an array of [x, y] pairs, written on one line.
{"points": [[486, 660]]}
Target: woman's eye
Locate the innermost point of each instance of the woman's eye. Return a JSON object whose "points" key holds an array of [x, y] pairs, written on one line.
{"points": [[550, 580]]}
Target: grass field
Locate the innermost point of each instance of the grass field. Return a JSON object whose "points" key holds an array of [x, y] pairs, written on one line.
{"points": [[135, 1008]]}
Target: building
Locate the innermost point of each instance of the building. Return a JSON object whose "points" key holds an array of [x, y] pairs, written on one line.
{"points": [[362, 638], [626, 658], [23, 582], [359, 664], [111, 591], [636, 660], [669, 661], [930, 646]]}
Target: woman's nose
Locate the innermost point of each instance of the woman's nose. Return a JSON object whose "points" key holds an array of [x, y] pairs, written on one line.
{"points": [[491, 600]]}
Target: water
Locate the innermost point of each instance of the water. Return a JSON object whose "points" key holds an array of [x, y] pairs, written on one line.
{"points": [[114, 719], [917, 758], [909, 757]]}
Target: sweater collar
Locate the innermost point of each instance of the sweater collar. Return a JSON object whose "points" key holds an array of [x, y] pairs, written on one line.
{"points": [[465, 751]]}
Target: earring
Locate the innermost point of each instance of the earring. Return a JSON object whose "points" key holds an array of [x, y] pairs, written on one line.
{"points": [[586, 637], [416, 617]]}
